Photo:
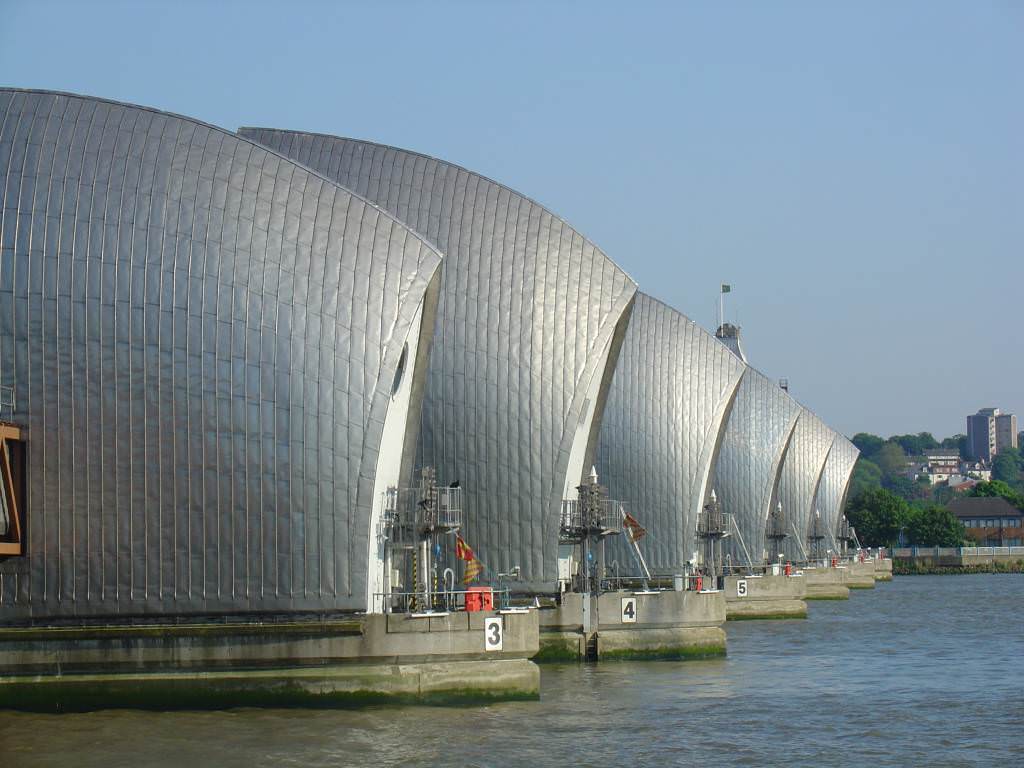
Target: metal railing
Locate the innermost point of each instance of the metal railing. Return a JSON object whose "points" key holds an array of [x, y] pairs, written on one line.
{"points": [[602, 516], [712, 521], [444, 601], [409, 513], [956, 551]]}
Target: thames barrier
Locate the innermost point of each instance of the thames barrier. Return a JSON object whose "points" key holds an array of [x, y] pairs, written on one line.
{"points": [[295, 419]]}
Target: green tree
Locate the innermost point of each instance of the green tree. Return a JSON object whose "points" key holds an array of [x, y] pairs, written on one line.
{"points": [[866, 474], [867, 444], [951, 442], [878, 515], [1006, 468], [915, 445], [905, 488], [943, 494], [891, 460], [933, 525]]}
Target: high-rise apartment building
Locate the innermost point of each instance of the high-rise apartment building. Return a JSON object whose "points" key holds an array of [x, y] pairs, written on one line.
{"points": [[1006, 432], [989, 431]]}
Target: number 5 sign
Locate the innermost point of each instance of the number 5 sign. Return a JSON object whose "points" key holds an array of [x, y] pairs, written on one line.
{"points": [[741, 588], [493, 634], [629, 610]]}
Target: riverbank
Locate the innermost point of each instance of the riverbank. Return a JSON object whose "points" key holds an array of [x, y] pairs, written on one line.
{"points": [[928, 569]]}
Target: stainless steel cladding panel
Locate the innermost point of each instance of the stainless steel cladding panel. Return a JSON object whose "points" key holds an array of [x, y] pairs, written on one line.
{"points": [[662, 428], [202, 337], [835, 479], [801, 473], [757, 434], [526, 324]]}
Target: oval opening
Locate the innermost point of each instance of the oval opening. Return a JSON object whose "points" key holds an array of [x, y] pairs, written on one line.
{"points": [[400, 371]]}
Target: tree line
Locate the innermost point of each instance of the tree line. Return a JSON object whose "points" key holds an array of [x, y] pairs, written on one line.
{"points": [[887, 505]]}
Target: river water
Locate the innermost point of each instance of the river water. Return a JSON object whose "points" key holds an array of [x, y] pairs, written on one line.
{"points": [[925, 670]]}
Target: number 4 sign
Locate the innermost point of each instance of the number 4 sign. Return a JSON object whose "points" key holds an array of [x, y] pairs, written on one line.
{"points": [[629, 610], [493, 634]]}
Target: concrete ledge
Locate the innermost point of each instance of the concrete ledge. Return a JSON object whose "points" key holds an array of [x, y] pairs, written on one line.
{"points": [[883, 570], [671, 644], [765, 597], [765, 609], [860, 575], [560, 647], [667, 625], [368, 659], [826, 584], [347, 685]]}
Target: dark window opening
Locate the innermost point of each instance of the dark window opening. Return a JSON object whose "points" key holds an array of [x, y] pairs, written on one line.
{"points": [[400, 370], [13, 524]]}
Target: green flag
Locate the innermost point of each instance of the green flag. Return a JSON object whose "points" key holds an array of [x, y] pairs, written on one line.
{"points": [[726, 288]]}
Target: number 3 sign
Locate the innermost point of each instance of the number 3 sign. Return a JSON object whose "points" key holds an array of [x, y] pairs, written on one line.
{"points": [[493, 634]]}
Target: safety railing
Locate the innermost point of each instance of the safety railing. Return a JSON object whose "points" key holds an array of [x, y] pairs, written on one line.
{"points": [[712, 521], [603, 516], [409, 513], [955, 551], [443, 601]]}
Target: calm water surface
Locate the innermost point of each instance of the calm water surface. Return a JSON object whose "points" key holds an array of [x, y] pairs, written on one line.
{"points": [[925, 670]]}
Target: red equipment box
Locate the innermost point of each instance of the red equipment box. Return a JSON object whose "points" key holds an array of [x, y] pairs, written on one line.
{"points": [[479, 599]]}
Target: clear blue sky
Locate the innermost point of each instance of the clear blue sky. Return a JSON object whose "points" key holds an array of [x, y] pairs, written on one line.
{"points": [[855, 171]]}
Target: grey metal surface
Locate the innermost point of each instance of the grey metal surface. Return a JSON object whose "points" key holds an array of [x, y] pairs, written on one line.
{"points": [[662, 428], [203, 338], [835, 480], [747, 476], [801, 474], [529, 313]]}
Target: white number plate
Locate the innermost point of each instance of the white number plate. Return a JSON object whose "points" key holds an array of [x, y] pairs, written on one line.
{"points": [[494, 634], [629, 610]]}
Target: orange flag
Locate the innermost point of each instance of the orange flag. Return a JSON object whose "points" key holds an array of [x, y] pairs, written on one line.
{"points": [[473, 566], [634, 530]]}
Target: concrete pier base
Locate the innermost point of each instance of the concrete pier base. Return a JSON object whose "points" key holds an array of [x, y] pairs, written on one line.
{"points": [[366, 660], [665, 625], [860, 575], [826, 584], [883, 569], [765, 597]]}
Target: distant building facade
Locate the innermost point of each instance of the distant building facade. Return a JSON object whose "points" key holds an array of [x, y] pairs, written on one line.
{"points": [[990, 431], [1006, 432], [992, 522]]}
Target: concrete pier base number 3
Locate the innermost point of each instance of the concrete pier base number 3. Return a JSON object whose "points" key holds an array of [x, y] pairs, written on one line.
{"points": [[493, 634], [629, 610]]}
